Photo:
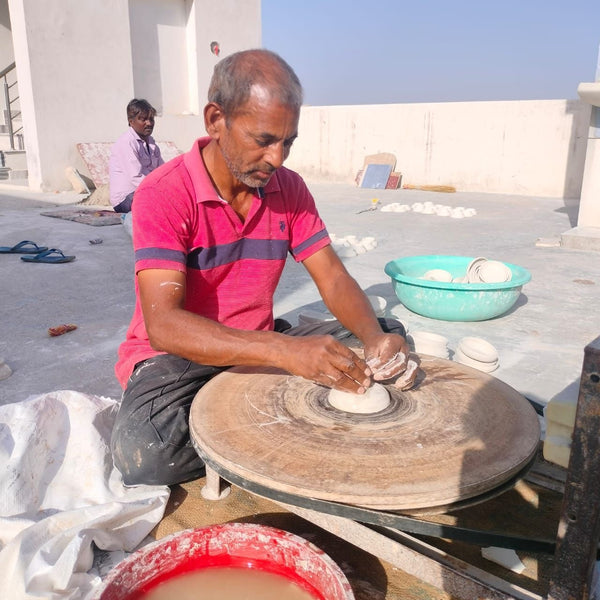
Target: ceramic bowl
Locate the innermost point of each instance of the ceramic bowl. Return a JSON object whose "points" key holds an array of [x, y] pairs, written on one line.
{"points": [[424, 348], [433, 344], [437, 275], [478, 349], [486, 367], [494, 271], [379, 304]]}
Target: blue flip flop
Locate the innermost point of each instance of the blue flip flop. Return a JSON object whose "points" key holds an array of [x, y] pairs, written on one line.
{"points": [[24, 247], [53, 255]]}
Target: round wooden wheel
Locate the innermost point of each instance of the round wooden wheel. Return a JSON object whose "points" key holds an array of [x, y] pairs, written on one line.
{"points": [[458, 435]]}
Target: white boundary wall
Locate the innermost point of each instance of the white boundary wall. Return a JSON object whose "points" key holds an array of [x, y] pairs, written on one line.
{"points": [[79, 64], [517, 147]]}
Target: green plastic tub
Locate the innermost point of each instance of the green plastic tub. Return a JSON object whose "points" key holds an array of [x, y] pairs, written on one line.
{"points": [[452, 301]]}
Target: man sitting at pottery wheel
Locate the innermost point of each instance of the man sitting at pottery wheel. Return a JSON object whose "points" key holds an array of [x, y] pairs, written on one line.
{"points": [[211, 232]]}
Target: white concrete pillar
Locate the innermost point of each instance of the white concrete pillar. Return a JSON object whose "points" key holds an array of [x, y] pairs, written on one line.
{"points": [[589, 205], [586, 236]]}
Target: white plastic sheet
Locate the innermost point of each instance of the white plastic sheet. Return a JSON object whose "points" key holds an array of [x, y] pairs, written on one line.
{"points": [[60, 495]]}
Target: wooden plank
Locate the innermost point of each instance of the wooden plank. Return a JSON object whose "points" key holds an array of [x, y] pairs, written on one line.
{"points": [[394, 181], [381, 158]]}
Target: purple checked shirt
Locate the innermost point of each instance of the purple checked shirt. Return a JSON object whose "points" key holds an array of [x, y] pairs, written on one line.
{"points": [[131, 159]]}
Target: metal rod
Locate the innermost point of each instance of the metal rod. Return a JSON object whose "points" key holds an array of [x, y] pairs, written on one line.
{"points": [[9, 115], [419, 559], [396, 521], [8, 69]]}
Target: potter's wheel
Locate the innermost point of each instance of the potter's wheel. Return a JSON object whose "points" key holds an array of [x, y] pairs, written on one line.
{"points": [[455, 439]]}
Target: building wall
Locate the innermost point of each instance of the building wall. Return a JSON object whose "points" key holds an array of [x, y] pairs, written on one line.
{"points": [[7, 54], [74, 86], [79, 64], [525, 147], [235, 26], [72, 81]]}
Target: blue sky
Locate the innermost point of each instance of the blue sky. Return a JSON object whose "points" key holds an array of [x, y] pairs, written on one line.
{"points": [[386, 51]]}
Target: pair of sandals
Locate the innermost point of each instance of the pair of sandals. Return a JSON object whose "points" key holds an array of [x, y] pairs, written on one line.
{"points": [[39, 254]]}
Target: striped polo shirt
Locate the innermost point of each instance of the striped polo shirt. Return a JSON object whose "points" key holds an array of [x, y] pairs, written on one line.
{"points": [[232, 267]]}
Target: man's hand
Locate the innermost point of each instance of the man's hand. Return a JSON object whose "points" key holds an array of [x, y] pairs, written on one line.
{"points": [[388, 356], [324, 360]]}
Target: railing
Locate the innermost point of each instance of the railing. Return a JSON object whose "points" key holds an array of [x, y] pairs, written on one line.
{"points": [[11, 98]]}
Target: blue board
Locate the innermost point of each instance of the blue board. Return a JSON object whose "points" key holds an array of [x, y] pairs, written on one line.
{"points": [[376, 176]]}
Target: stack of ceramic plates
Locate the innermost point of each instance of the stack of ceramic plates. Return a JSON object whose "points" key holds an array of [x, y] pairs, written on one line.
{"points": [[426, 342], [482, 270], [477, 353]]}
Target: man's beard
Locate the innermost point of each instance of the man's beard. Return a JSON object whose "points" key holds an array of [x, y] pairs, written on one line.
{"points": [[246, 178]]}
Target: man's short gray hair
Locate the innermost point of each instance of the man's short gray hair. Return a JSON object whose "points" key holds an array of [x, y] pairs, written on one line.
{"points": [[234, 76]]}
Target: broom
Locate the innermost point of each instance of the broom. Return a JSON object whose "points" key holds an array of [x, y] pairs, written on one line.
{"points": [[430, 188]]}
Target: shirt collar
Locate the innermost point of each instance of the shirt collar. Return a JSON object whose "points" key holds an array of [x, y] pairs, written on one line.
{"points": [[136, 136], [203, 187]]}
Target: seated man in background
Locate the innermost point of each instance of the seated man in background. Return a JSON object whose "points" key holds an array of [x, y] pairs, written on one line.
{"points": [[132, 157]]}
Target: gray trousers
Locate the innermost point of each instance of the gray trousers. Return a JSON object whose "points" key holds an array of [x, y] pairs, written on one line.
{"points": [[150, 439]]}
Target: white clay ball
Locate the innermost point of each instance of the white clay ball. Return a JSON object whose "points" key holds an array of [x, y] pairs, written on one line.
{"points": [[375, 399]]}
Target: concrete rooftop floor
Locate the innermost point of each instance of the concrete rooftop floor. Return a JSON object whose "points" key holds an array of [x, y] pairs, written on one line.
{"points": [[540, 341]]}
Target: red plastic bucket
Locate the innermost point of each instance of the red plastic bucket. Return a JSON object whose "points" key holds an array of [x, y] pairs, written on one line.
{"points": [[233, 545]]}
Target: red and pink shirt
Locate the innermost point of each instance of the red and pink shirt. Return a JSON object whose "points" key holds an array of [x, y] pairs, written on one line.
{"points": [[232, 267]]}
